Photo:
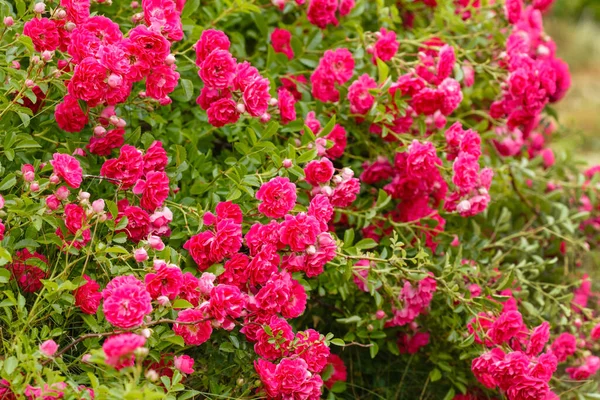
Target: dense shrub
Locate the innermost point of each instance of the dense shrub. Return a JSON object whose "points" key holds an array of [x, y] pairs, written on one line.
{"points": [[360, 203]]}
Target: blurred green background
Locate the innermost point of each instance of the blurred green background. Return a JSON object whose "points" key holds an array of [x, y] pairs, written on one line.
{"points": [[575, 27]]}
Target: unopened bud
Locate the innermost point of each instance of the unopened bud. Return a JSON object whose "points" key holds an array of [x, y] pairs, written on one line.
{"points": [[34, 187], [463, 206], [135, 4], [380, 314], [152, 375], [83, 196], [311, 250], [86, 358], [170, 60], [54, 179], [141, 352], [35, 60], [327, 190], [266, 117], [114, 80], [241, 107], [121, 123], [29, 83], [287, 163], [140, 255], [61, 14], [347, 173], [156, 243], [146, 333], [39, 8], [113, 120], [337, 179], [9, 21], [273, 101], [69, 26], [98, 206], [62, 193], [163, 301], [99, 131]]}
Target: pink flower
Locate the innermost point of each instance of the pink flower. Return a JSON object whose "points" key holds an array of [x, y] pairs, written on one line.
{"points": [[281, 41], [88, 82], [538, 339], [28, 277], [466, 172], [484, 367], [154, 190], [319, 171], [138, 221], [322, 12], [190, 289], [103, 146], [528, 388], [48, 348], [361, 100], [452, 95], [69, 115], [228, 239], [256, 96], [126, 169], [218, 69], [296, 302], [222, 112], [412, 344], [311, 348], [345, 193], [229, 210], [67, 167], [299, 231], [286, 104], [595, 332], [184, 364], [275, 293], [590, 366], [151, 46], [338, 137], [88, 296], [564, 346], [43, 34], [197, 328], [155, 158], [199, 247], [386, 46], [278, 197], [513, 10], [210, 40], [506, 326], [167, 281], [321, 209], [545, 367], [346, 6], [275, 344], [126, 302], [446, 62], [245, 74], [161, 81], [119, 349], [339, 369], [226, 301], [339, 63]]}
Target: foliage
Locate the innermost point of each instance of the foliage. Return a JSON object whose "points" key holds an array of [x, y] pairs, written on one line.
{"points": [[418, 237]]}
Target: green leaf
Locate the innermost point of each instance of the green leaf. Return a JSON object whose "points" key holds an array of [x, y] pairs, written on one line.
{"points": [[9, 181], [328, 127], [10, 364], [348, 238], [435, 375], [181, 303], [4, 275], [338, 342], [374, 349], [366, 244], [383, 71], [307, 156], [5, 256]]}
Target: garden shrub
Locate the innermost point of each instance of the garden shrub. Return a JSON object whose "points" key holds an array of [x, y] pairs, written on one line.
{"points": [[291, 200]]}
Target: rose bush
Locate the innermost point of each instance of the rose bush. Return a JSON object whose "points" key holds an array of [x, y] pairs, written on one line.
{"points": [[360, 203]]}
